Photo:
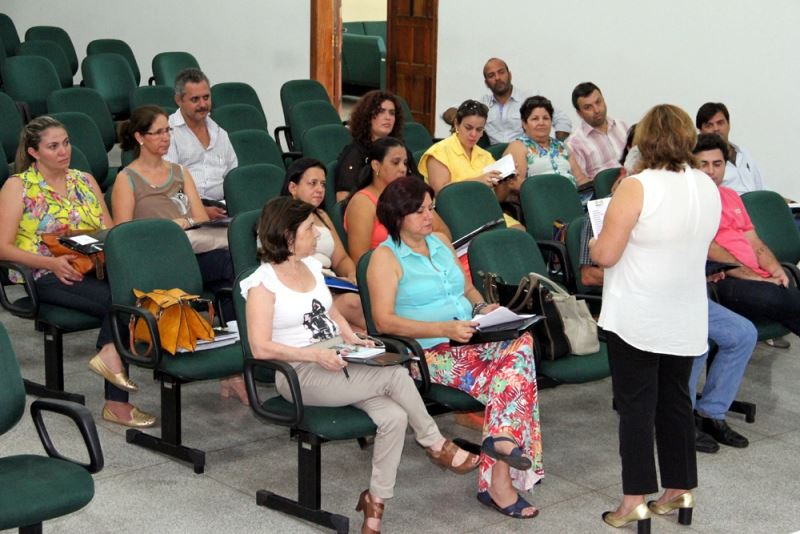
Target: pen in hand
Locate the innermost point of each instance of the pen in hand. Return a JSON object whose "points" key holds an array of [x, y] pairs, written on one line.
{"points": [[344, 369]]}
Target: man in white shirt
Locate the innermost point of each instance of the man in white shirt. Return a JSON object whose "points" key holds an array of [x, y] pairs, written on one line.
{"points": [[197, 142], [504, 123], [741, 172]]}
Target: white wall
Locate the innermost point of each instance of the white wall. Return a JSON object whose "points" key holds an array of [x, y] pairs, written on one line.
{"points": [[356, 10], [684, 52], [263, 43]]}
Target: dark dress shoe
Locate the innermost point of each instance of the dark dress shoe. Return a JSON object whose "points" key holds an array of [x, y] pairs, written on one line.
{"points": [[704, 443], [722, 433]]}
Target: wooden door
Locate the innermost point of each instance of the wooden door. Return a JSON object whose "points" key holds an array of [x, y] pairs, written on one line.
{"points": [[326, 47], [411, 55]]}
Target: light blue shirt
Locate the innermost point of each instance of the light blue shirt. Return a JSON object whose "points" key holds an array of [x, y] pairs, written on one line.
{"points": [[504, 123], [431, 289]]}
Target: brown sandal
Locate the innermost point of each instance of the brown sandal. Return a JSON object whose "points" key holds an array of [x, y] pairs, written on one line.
{"points": [[372, 510], [444, 458]]}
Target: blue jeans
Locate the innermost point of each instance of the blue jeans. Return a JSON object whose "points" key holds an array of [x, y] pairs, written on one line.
{"points": [[736, 338]]}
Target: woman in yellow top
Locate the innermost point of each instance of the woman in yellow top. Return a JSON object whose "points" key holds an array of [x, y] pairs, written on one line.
{"points": [[458, 157], [49, 197]]}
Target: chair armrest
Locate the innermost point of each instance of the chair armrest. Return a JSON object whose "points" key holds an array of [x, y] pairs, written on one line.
{"points": [[792, 272], [250, 364], [151, 80], [123, 314], [220, 295], [559, 249], [287, 137], [418, 357], [289, 157], [82, 418], [30, 288]]}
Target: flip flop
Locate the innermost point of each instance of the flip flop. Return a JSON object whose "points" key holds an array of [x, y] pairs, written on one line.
{"points": [[515, 459], [514, 510]]}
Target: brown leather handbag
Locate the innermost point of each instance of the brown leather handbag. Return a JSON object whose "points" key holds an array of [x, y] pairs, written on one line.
{"points": [[83, 263], [179, 324]]}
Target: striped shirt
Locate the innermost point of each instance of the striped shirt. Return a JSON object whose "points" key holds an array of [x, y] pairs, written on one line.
{"points": [[596, 151]]}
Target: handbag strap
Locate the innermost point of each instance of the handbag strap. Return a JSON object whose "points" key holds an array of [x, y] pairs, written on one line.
{"points": [[543, 279]]}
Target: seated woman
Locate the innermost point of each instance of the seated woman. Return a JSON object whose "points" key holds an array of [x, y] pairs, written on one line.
{"points": [[419, 290], [376, 115], [535, 151], [49, 197], [387, 161], [286, 299], [151, 187], [305, 180]]}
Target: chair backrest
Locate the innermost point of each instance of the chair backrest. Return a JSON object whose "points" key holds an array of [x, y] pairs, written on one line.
{"points": [[10, 126], [60, 37], [116, 46], [89, 101], [12, 390], [30, 79], [603, 181], [83, 133], [149, 254], [497, 149], [235, 117], [240, 309], [112, 77], [126, 157], [774, 224], [3, 167], [249, 187], [255, 146], [78, 161], [546, 198], [330, 186], [465, 206], [296, 91], [54, 54], [336, 214], [407, 115], [364, 57], [242, 234], [363, 292], [508, 253], [226, 93], [416, 137], [167, 65], [326, 142], [9, 35], [160, 95], [305, 115], [354, 27]]}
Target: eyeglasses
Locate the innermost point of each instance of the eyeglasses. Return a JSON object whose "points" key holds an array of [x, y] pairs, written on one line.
{"points": [[160, 131]]}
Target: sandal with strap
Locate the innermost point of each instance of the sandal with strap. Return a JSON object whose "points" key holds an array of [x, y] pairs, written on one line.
{"points": [[444, 458], [515, 459], [514, 510], [372, 510]]}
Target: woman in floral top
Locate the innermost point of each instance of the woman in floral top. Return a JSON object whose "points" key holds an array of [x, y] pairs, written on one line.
{"points": [[49, 197]]}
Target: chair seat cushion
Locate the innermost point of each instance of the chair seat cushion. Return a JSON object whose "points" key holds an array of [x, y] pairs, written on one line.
{"points": [[769, 329], [62, 318], [577, 369], [36, 488], [453, 399], [342, 422], [205, 364]]}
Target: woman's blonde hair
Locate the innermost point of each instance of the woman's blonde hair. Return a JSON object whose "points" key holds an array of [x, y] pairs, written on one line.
{"points": [[31, 137], [666, 137]]}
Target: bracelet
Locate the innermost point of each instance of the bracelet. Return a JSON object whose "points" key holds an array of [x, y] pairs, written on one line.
{"points": [[477, 307]]}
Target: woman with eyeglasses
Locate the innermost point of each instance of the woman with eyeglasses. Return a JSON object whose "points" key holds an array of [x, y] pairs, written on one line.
{"points": [[151, 187]]}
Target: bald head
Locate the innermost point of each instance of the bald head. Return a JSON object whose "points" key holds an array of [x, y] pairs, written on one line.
{"points": [[497, 77]]}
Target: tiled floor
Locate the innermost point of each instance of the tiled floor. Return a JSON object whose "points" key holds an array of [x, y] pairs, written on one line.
{"points": [[756, 489]]}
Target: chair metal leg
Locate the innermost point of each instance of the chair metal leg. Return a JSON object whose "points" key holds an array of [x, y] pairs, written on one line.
{"points": [[748, 409], [31, 529], [170, 441], [53, 387]]}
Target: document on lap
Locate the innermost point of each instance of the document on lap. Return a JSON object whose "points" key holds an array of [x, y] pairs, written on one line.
{"points": [[505, 166], [499, 316], [597, 212]]}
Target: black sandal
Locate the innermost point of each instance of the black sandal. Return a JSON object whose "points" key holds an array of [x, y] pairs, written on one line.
{"points": [[515, 459]]}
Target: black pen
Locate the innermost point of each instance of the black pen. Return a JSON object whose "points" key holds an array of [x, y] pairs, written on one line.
{"points": [[344, 369]]}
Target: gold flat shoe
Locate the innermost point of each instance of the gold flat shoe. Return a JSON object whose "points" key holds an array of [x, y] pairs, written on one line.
{"points": [[138, 419], [640, 514], [684, 503], [120, 379]]}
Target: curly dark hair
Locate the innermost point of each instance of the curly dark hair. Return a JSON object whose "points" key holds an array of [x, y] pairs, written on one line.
{"points": [[367, 108]]}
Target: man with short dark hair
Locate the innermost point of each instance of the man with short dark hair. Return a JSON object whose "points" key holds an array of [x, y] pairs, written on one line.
{"points": [[741, 172], [598, 140], [504, 123], [197, 142]]}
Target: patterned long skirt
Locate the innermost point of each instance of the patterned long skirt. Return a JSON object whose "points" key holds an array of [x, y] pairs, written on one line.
{"points": [[501, 375]]}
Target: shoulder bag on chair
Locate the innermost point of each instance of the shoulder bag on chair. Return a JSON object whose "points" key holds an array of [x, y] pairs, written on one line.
{"points": [[179, 325]]}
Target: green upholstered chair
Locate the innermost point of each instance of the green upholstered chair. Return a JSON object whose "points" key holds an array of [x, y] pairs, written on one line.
{"points": [[10, 126], [84, 134], [116, 46], [311, 426], [35, 488], [306, 115], [54, 54], [363, 62], [30, 79], [249, 187], [9, 35], [325, 142], [330, 186], [497, 149], [78, 161], [235, 117], [256, 146], [293, 92], [407, 115], [465, 206], [88, 101], [3, 167], [226, 93], [58, 36], [337, 218], [53, 321], [112, 77], [416, 137], [604, 180], [242, 234], [167, 65], [159, 95], [512, 254], [130, 250]]}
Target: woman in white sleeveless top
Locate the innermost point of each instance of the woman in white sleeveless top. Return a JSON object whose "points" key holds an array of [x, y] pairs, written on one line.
{"points": [[653, 246]]}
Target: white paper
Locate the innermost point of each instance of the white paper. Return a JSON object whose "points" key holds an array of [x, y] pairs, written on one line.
{"points": [[83, 239], [220, 340], [597, 212], [498, 316], [505, 165]]}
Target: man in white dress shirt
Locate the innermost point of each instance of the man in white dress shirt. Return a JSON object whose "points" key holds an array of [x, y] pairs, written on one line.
{"points": [[197, 142]]}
